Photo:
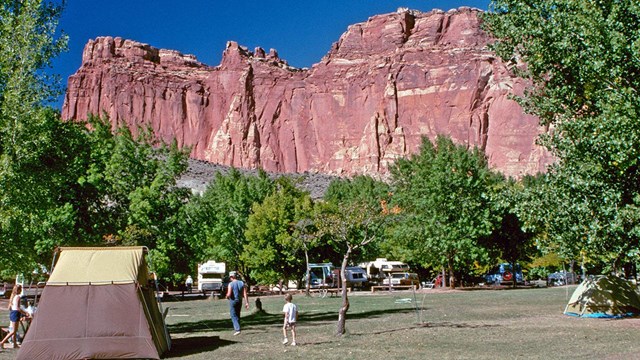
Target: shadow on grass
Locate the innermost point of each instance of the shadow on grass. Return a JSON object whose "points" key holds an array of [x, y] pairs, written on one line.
{"points": [[406, 328], [500, 287], [263, 318], [428, 325], [194, 345], [256, 318]]}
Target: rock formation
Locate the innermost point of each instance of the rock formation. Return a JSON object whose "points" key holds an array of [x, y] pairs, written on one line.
{"points": [[384, 84]]}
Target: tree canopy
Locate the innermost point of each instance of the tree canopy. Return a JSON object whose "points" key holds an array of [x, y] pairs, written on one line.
{"points": [[443, 193], [272, 250], [583, 60], [221, 215], [28, 130]]}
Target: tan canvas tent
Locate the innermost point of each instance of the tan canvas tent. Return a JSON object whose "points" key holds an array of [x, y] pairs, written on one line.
{"points": [[604, 297], [99, 303]]}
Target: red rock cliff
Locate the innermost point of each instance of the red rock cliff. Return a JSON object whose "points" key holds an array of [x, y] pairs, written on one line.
{"points": [[384, 84]]}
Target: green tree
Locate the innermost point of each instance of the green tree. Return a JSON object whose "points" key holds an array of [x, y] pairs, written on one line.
{"points": [[271, 249], [562, 211], [443, 193], [361, 189], [349, 227], [28, 42], [221, 216], [583, 60], [512, 239], [111, 188], [306, 237]]}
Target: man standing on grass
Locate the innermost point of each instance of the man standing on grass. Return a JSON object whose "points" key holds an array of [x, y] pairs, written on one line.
{"points": [[236, 291]]}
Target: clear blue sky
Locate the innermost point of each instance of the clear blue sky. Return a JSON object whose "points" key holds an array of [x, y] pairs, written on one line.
{"points": [[301, 31]]}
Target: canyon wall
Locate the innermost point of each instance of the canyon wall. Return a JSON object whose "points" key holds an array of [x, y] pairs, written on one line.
{"points": [[384, 84]]}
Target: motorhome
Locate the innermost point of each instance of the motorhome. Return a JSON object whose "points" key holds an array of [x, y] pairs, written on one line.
{"points": [[211, 277], [381, 269]]}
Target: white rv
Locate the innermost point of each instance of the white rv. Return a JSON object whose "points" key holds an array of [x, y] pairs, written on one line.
{"points": [[381, 269], [211, 277]]}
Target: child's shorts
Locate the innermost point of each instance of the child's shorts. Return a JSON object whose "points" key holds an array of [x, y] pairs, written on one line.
{"points": [[15, 315]]}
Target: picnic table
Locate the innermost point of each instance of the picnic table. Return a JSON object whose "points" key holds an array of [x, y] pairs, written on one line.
{"points": [[324, 291]]}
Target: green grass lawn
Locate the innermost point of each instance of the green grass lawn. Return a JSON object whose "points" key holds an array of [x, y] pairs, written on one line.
{"points": [[477, 324]]}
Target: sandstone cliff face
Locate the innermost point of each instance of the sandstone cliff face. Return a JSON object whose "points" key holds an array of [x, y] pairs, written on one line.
{"points": [[384, 84]]}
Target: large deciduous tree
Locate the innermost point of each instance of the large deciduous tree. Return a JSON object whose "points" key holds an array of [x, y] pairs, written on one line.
{"points": [[221, 215], [361, 189], [28, 131], [444, 192], [349, 227], [352, 219], [272, 250], [583, 60]]}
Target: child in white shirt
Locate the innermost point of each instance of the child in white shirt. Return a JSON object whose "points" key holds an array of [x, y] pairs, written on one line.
{"points": [[290, 311]]}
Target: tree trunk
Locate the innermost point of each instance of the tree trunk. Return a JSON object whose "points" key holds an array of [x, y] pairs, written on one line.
{"points": [[308, 284], [452, 276], [244, 274], [571, 270], [342, 314]]}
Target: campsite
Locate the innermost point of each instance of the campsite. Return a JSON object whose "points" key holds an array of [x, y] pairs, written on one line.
{"points": [[481, 324], [459, 324], [484, 152]]}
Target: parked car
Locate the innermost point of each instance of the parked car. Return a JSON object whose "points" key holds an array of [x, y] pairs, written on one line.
{"points": [[561, 278], [503, 274], [402, 278]]}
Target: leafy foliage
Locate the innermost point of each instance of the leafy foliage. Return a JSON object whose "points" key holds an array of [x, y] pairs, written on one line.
{"points": [[221, 216], [583, 58], [272, 250], [348, 226], [364, 190], [28, 138], [444, 194], [512, 238]]}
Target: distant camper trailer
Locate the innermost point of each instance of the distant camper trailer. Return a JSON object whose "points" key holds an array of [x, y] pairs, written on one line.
{"points": [[381, 268], [211, 277]]}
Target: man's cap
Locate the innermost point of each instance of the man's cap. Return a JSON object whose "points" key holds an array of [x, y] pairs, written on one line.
{"points": [[232, 274]]}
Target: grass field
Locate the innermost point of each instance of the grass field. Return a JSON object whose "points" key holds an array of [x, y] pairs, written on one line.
{"points": [[475, 324]]}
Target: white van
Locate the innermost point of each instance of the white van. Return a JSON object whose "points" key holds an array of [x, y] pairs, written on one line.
{"points": [[356, 277], [322, 275]]}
